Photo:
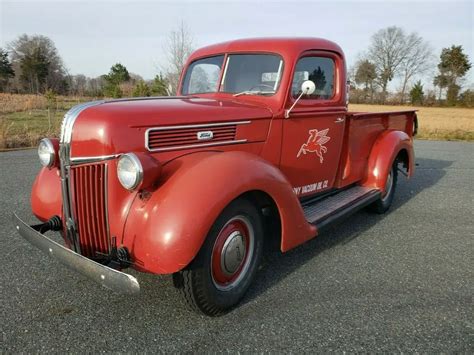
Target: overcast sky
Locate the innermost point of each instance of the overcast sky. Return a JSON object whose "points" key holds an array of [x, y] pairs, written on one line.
{"points": [[93, 35]]}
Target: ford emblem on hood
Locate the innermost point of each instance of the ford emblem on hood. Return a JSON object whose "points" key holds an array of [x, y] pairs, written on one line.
{"points": [[205, 135]]}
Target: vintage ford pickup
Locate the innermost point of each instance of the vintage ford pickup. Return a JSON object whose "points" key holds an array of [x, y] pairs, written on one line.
{"points": [[259, 146]]}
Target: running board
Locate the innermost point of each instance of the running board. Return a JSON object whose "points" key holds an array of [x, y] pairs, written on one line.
{"points": [[338, 206]]}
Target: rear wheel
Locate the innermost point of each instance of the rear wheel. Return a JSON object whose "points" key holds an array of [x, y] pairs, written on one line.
{"points": [[383, 204], [224, 268]]}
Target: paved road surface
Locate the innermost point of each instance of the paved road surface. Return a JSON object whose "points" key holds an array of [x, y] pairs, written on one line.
{"points": [[402, 282]]}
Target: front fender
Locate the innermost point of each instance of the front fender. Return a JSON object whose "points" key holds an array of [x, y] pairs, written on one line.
{"points": [[384, 151], [165, 230], [46, 199]]}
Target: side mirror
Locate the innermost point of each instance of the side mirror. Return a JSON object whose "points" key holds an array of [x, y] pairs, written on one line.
{"points": [[307, 88]]}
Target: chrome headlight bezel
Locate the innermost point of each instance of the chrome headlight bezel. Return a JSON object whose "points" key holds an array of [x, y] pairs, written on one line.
{"points": [[46, 153], [135, 177]]}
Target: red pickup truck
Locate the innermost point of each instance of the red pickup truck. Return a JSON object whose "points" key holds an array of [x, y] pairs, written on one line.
{"points": [[258, 146]]}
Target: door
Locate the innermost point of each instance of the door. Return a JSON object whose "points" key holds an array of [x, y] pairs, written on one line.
{"points": [[313, 134]]}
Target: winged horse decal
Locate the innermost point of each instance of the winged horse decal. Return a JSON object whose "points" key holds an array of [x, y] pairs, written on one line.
{"points": [[315, 143]]}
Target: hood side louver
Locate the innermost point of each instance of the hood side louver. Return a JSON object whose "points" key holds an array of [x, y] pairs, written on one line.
{"points": [[192, 136]]}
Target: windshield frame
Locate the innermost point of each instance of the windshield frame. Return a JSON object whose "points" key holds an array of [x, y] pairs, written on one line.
{"points": [[223, 71]]}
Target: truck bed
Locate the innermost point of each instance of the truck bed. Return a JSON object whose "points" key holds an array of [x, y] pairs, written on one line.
{"points": [[362, 130]]}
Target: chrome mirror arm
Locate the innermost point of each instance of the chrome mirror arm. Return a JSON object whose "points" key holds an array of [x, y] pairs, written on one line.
{"points": [[307, 88], [287, 112]]}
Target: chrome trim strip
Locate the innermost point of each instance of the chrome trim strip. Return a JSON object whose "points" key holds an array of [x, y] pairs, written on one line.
{"points": [[106, 201], [65, 166], [196, 145], [204, 125], [164, 128], [225, 70], [147, 98], [87, 160]]}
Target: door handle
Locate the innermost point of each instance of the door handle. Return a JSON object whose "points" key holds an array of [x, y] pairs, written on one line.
{"points": [[339, 120]]}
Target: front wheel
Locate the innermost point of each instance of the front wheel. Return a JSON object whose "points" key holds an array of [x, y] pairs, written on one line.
{"points": [[224, 268], [383, 204]]}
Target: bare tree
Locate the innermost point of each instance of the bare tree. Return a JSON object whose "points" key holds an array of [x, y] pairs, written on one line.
{"points": [[395, 53], [387, 51], [418, 59], [178, 47]]}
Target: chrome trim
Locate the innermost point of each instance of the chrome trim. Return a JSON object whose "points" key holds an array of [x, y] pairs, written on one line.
{"points": [[106, 202], [225, 71], [179, 147], [88, 160], [164, 128], [147, 98], [204, 125], [65, 167]]}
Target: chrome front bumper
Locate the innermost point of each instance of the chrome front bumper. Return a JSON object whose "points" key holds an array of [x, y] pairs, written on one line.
{"points": [[104, 275]]}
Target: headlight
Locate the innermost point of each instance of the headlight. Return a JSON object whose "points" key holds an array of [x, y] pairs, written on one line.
{"points": [[46, 153], [129, 171]]}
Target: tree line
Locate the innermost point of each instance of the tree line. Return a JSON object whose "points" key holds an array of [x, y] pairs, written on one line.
{"points": [[32, 64], [394, 54]]}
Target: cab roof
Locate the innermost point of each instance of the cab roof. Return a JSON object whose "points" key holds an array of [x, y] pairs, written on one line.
{"points": [[287, 47]]}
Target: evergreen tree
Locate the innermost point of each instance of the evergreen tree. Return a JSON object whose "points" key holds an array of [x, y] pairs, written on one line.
{"points": [[366, 75], [117, 75], [318, 78], [416, 94], [453, 65], [6, 70], [141, 89], [159, 87]]}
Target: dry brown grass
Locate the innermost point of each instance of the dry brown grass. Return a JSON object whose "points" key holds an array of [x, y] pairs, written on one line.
{"points": [[443, 123], [25, 119], [16, 103]]}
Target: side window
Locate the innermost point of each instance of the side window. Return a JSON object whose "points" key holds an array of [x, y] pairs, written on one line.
{"points": [[320, 70]]}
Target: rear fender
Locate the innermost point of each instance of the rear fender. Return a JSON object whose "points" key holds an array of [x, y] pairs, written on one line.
{"points": [[166, 228], [46, 200], [384, 151]]}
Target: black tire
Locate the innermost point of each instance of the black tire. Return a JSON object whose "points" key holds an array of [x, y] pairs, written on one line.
{"points": [[383, 204], [201, 283]]}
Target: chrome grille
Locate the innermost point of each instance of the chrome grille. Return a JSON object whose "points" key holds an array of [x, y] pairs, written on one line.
{"points": [[90, 211]]}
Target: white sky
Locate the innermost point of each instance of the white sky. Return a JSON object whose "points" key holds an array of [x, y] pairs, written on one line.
{"points": [[91, 36]]}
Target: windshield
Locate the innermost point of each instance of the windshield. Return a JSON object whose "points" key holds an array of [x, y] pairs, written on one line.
{"points": [[244, 74]]}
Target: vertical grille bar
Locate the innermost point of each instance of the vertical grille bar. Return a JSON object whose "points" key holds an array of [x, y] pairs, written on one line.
{"points": [[90, 209]]}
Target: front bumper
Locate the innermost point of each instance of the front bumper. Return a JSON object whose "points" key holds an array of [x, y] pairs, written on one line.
{"points": [[104, 275]]}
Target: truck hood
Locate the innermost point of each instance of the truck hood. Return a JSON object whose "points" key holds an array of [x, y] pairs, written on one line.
{"points": [[119, 126]]}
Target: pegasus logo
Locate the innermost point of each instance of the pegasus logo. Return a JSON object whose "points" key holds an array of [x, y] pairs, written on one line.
{"points": [[315, 143]]}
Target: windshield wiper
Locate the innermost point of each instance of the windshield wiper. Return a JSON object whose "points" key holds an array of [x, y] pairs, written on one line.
{"points": [[253, 92]]}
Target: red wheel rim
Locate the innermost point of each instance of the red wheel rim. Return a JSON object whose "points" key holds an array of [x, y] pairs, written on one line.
{"points": [[232, 252]]}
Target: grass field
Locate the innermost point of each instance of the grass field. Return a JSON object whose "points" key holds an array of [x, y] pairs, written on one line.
{"points": [[25, 119], [436, 123]]}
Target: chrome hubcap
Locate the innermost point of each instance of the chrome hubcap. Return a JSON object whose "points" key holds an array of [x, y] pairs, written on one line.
{"points": [[388, 186], [232, 253]]}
